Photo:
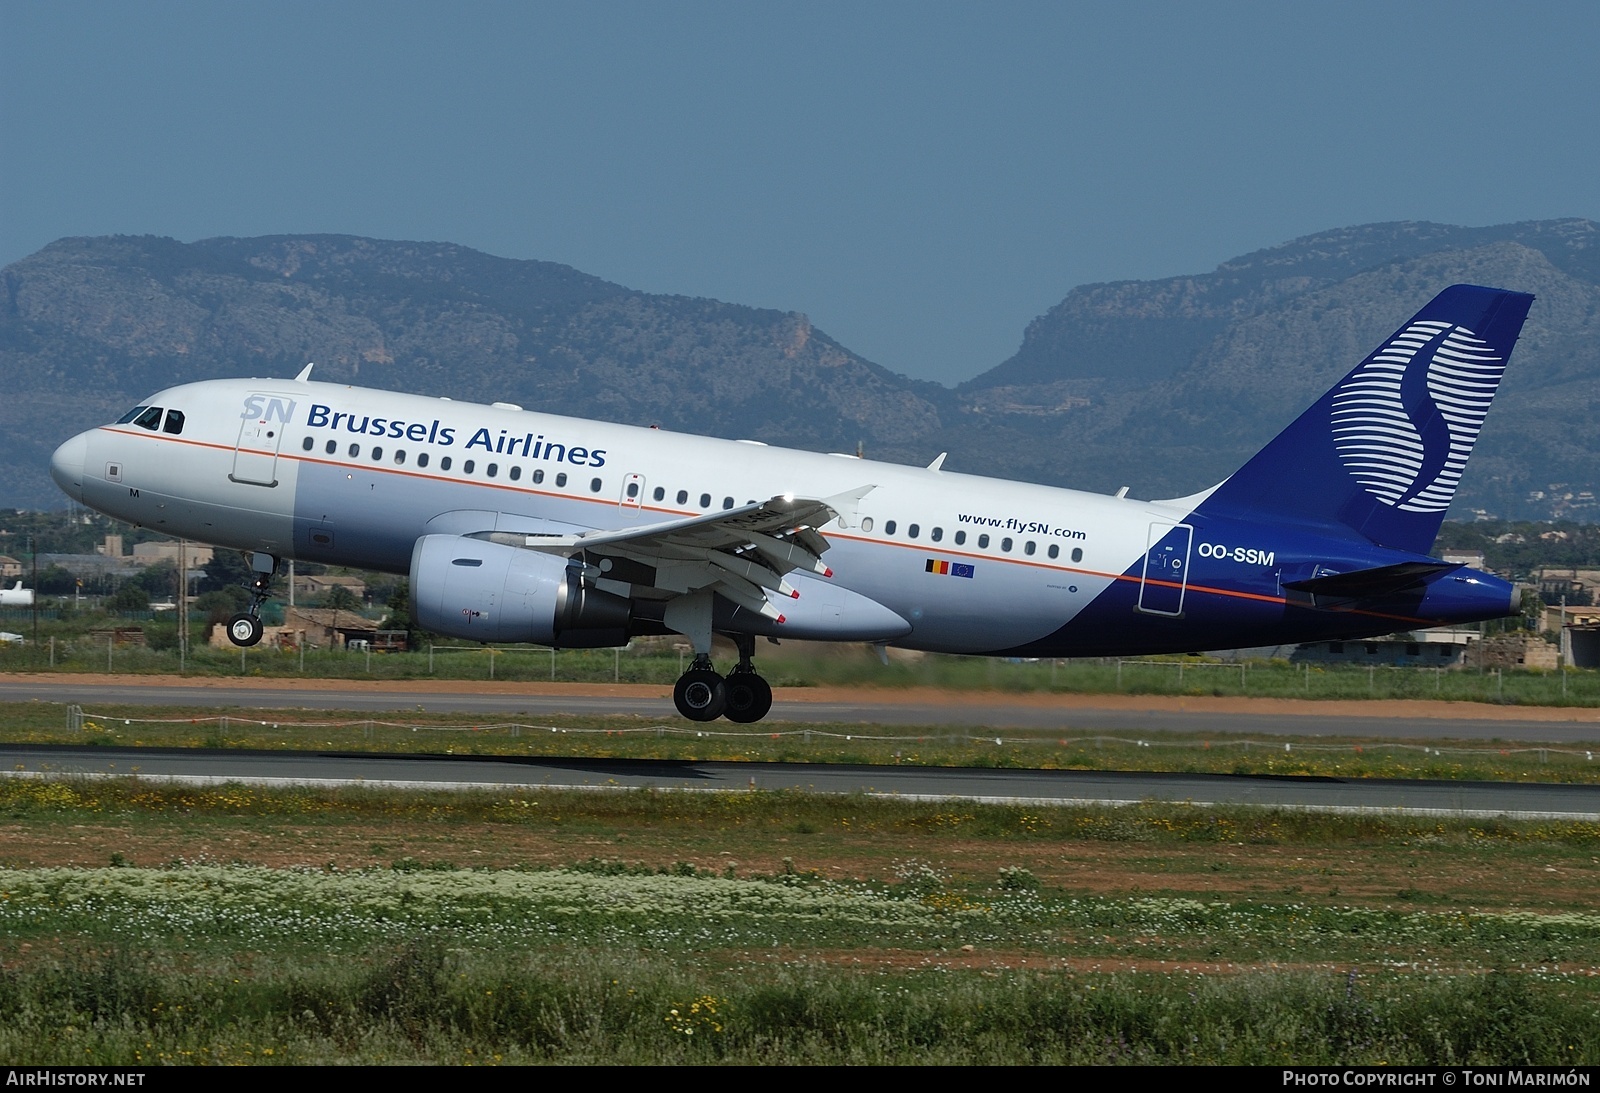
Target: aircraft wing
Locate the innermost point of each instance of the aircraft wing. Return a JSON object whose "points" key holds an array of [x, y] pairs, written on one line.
{"points": [[740, 552]]}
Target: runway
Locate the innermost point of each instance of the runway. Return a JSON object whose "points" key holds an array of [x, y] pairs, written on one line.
{"points": [[806, 706], [1032, 787]]}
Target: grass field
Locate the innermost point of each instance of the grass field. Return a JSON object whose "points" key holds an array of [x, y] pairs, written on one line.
{"points": [[143, 923], [806, 664]]}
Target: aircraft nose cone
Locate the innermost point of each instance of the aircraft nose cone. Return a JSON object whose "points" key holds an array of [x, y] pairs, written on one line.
{"points": [[66, 466]]}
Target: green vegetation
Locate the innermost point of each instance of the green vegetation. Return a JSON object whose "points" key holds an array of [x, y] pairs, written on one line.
{"points": [[1014, 955], [628, 737], [423, 999]]}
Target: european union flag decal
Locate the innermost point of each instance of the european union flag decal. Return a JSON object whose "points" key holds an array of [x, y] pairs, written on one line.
{"points": [[948, 569]]}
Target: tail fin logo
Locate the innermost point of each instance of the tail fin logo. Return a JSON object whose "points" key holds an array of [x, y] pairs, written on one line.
{"points": [[1405, 422]]}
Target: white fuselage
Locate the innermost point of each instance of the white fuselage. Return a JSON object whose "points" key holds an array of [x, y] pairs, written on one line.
{"points": [[921, 558]]}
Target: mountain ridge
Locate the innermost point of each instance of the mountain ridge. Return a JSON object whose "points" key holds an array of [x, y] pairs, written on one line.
{"points": [[1165, 385]]}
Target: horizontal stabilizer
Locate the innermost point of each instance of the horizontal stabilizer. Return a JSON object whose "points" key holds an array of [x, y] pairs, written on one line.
{"points": [[1384, 580]]}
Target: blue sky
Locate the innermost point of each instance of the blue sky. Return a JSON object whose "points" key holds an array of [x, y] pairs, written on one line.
{"points": [[922, 179]]}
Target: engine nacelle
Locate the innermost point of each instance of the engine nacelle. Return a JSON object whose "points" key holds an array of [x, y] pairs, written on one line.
{"points": [[480, 591]]}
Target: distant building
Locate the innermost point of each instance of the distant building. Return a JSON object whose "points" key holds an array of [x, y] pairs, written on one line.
{"points": [[1472, 558], [1555, 616], [1581, 646], [197, 554], [1439, 651], [9, 568], [1522, 649], [111, 548], [311, 588], [1575, 584]]}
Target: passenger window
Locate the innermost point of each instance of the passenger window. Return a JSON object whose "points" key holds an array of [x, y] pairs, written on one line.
{"points": [[1028, 547], [516, 474], [561, 479], [422, 459], [705, 500], [1054, 551], [1005, 545], [538, 476], [150, 419], [683, 497], [633, 488], [466, 468], [961, 538], [866, 523], [332, 447], [659, 494], [308, 443], [594, 485], [1077, 554], [444, 462], [912, 531], [983, 541], [399, 456], [377, 453], [936, 534], [131, 414], [492, 469], [888, 527], [727, 502], [174, 423], [355, 450]]}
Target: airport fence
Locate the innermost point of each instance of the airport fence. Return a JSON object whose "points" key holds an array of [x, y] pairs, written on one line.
{"points": [[660, 662]]}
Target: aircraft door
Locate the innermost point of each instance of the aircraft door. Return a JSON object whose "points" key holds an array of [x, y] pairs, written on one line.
{"points": [[632, 493], [261, 426], [1166, 569]]}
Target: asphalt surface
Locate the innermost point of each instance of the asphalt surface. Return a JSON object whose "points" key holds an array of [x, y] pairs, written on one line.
{"points": [[203, 766], [997, 713]]}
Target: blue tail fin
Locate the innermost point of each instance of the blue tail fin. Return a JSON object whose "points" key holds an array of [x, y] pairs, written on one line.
{"points": [[1383, 451]]}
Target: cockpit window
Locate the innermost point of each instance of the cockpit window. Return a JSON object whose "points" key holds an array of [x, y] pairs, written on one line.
{"points": [[174, 423], [150, 419], [131, 414]]}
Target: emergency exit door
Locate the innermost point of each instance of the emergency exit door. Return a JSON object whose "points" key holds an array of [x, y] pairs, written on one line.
{"points": [[1166, 569]]}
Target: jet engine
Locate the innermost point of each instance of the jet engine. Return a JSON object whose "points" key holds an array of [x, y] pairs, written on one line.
{"points": [[480, 591]]}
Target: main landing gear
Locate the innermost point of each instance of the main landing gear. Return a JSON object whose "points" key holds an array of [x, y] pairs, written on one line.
{"points": [[244, 629], [743, 696]]}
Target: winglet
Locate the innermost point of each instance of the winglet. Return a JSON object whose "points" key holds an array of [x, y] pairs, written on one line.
{"points": [[305, 373], [938, 464], [843, 505]]}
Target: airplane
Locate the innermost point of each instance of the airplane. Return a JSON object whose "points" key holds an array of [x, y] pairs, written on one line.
{"points": [[519, 526], [16, 597]]}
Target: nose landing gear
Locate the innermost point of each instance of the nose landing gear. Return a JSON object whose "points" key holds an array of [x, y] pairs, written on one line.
{"points": [[244, 629]]}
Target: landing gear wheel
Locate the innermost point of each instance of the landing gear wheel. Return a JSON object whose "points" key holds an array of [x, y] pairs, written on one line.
{"points": [[749, 698], [244, 629], [700, 695]]}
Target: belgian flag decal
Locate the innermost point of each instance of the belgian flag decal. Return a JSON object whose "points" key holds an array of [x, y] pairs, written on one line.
{"points": [[948, 569]]}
